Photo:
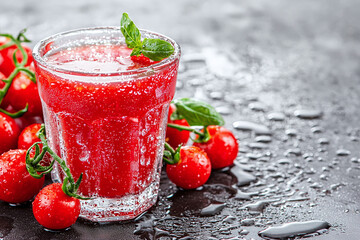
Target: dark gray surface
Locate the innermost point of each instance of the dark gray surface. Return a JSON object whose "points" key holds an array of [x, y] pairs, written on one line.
{"points": [[249, 58]]}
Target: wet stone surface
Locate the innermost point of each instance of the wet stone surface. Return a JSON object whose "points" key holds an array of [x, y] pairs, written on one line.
{"points": [[286, 78]]}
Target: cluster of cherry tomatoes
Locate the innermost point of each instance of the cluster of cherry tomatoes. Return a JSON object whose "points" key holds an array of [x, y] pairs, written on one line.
{"points": [[193, 168], [21, 94], [20, 121]]}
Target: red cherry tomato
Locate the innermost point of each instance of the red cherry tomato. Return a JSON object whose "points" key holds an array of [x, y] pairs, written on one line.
{"points": [[55, 210], [192, 170], [28, 136], [16, 185], [6, 60], [222, 148], [140, 61], [173, 136], [9, 133], [23, 91]]}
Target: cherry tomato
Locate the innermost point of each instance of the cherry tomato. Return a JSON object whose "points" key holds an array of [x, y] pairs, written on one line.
{"points": [[140, 61], [222, 148], [23, 91], [16, 185], [192, 170], [9, 133], [28, 136], [173, 136], [55, 210], [6, 60]]}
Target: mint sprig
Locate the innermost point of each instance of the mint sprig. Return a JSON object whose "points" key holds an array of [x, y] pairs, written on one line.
{"points": [[155, 49]]}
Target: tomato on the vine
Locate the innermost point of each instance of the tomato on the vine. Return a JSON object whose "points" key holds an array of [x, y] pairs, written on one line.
{"points": [[9, 133], [173, 136], [16, 185], [55, 210], [192, 170], [28, 136], [23, 91], [222, 148], [6, 57]]}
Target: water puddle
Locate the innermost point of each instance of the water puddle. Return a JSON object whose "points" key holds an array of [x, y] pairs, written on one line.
{"points": [[294, 229]]}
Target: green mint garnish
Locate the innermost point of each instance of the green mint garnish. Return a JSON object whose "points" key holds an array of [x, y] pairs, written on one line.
{"points": [[197, 113], [155, 49]]}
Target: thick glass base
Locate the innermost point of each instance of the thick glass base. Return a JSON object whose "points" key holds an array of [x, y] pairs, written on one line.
{"points": [[119, 209], [103, 210]]}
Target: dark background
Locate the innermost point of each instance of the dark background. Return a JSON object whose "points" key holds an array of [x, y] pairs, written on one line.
{"points": [[249, 59]]}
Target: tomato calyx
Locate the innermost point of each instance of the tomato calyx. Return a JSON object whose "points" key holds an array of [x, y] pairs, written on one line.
{"points": [[171, 155], [36, 170], [19, 67]]}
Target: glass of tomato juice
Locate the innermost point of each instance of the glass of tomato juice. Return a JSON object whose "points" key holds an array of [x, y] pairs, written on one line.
{"points": [[105, 114]]}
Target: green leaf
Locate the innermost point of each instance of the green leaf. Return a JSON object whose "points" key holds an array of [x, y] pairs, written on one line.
{"points": [[136, 51], [130, 31], [176, 116], [156, 49], [198, 113]]}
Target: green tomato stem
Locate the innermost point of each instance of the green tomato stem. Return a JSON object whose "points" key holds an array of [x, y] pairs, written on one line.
{"points": [[182, 128], [18, 67], [169, 148]]}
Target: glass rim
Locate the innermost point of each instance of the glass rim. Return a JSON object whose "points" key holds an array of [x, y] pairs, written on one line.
{"points": [[39, 59]]}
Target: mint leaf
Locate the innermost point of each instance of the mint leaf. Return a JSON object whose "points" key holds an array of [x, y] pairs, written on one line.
{"points": [[130, 31], [198, 113], [156, 49], [176, 116], [136, 51]]}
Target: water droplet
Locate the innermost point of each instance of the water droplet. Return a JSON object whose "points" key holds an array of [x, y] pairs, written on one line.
{"points": [[291, 132], [316, 185], [224, 110], [243, 178], [293, 151], [276, 116], [257, 145], [284, 161], [247, 222], [308, 113], [244, 232], [251, 126], [253, 156], [212, 209], [316, 129], [257, 106], [323, 141], [294, 229], [343, 152], [217, 95], [229, 219], [263, 139], [244, 196], [259, 206], [336, 186]]}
